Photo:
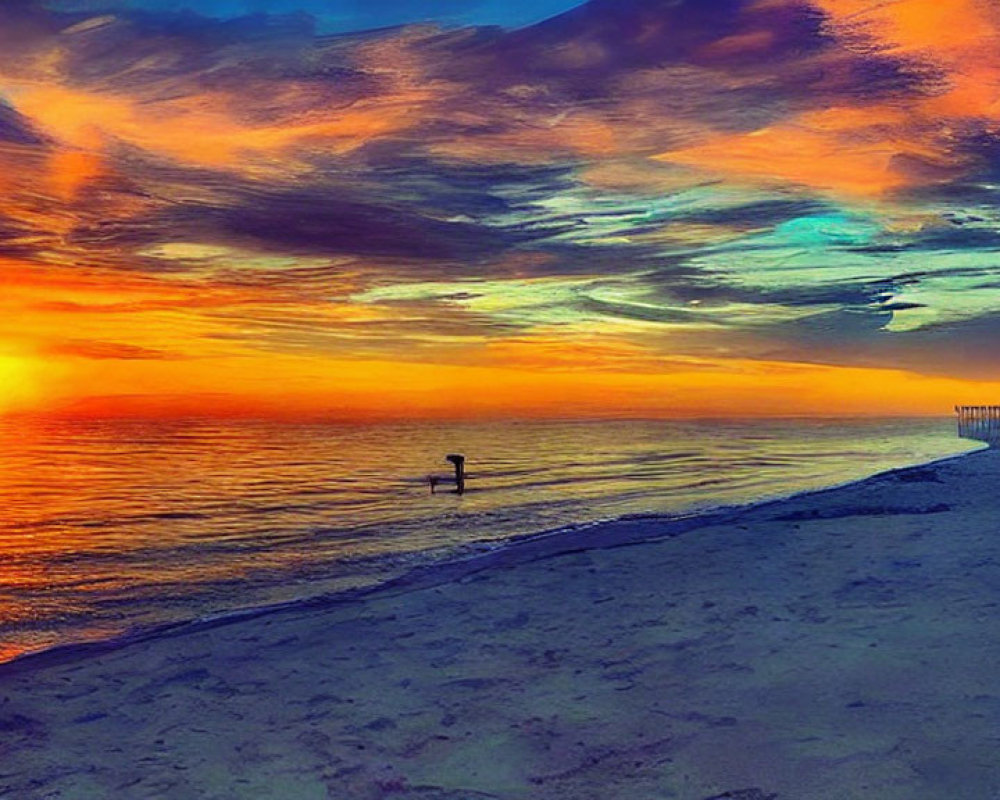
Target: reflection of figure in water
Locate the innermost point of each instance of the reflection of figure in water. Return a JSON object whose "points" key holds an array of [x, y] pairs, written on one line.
{"points": [[459, 462]]}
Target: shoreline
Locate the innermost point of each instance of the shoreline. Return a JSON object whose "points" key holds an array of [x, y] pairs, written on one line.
{"points": [[488, 554], [830, 646]]}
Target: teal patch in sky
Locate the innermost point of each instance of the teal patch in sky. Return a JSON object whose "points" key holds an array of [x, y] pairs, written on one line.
{"points": [[828, 230]]}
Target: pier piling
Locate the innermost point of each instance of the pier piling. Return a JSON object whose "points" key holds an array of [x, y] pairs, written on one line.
{"points": [[981, 423]]}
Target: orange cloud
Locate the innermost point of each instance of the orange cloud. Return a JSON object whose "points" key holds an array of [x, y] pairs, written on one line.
{"points": [[862, 150], [959, 28], [788, 153], [70, 170], [959, 38], [865, 152], [196, 130]]}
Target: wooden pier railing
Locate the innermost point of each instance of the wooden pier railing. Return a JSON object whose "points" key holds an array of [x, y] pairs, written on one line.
{"points": [[979, 422]]}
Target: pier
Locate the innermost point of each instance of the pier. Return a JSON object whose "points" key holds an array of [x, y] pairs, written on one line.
{"points": [[979, 422]]}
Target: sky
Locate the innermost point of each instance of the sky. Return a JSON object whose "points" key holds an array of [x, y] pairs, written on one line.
{"points": [[342, 16], [424, 209]]}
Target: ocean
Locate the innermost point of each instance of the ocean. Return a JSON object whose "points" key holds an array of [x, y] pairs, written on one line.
{"points": [[113, 526]]}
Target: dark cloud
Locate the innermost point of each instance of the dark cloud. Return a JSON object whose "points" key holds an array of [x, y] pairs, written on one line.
{"points": [[301, 221], [757, 58], [954, 239], [15, 129], [964, 349], [756, 213]]}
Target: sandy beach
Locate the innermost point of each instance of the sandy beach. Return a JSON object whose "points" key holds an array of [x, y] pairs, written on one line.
{"points": [[832, 646]]}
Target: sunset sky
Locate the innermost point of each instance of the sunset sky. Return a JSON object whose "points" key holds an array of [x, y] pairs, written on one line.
{"points": [[400, 208]]}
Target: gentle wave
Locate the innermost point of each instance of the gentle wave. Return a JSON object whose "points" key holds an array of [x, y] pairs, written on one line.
{"points": [[411, 570], [117, 525]]}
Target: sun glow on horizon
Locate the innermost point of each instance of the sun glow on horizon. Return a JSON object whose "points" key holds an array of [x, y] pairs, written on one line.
{"points": [[20, 388], [355, 390]]}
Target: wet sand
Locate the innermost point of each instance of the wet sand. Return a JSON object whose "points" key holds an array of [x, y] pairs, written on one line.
{"points": [[834, 646]]}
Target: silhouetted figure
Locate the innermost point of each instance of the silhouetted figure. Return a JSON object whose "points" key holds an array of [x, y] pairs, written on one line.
{"points": [[459, 462]]}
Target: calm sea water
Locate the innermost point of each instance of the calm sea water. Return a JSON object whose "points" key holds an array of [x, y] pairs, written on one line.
{"points": [[113, 525]]}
